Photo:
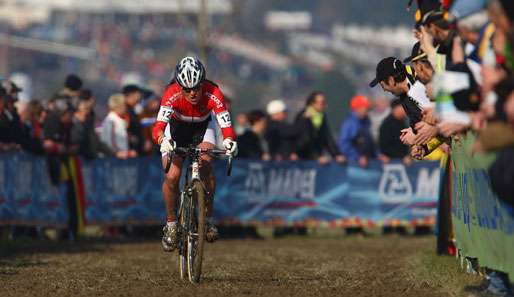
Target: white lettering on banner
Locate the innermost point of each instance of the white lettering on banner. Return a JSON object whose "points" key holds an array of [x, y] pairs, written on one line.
{"points": [[395, 186], [123, 180], [308, 185], [295, 182], [23, 180], [255, 181], [423, 212], [428, 185], [87, 177]]}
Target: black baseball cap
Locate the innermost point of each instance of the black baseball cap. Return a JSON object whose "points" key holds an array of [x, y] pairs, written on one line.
{"points": [[10, 87], [435, 16], [416, 54], [132, 88], [73, 82], [387, 67]]}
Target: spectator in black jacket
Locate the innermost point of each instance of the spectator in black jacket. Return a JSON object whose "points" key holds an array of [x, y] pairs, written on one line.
{"points": [[68, 96], [314, 133], [32, 119], [391, 147], [252, 144], [280, 135], [133, 95], [7, 131]]}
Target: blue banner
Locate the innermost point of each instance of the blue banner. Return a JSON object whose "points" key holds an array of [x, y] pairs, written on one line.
{"points": [[293, 192], [27, 195], [129, 192], [124, 191]]}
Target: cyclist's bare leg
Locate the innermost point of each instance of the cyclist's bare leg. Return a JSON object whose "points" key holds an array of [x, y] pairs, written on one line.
{"points": [[170, 187], [208, 176]]}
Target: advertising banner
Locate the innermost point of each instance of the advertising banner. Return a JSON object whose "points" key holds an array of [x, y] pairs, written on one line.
{"points": [[484, 225], [293, 192]]}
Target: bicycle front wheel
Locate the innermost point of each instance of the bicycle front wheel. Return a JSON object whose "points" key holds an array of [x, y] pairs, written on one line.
{"points": [[182, 242], [196, 236]]}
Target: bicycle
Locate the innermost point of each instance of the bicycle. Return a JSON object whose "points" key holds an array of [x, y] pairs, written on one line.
{"points": [[192, 210]]}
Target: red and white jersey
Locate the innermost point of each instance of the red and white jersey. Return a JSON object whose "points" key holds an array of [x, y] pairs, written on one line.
{"points": [[175, 107]]}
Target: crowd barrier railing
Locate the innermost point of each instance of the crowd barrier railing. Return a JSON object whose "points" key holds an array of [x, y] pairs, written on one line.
{"points": [[119, 192]]}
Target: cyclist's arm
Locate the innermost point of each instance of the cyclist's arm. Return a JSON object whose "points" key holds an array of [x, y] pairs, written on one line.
{"points": [[217, 103], [163, 118]]}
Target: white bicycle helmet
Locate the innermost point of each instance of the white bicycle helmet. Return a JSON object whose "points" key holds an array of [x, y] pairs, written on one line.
{"points": [[189, 72]]}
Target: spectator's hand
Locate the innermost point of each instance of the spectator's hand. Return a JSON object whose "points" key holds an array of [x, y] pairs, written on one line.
{"points": [[148, 146], [445, 148], [429, 116], [131, 154], [449, 128], [488, 109], [279, 157], [407, 136], [266, 157], [417, 152], [417, 34], [477, 147], [122, 154], [340, 159], [425, 132], [8, 146], [323, 160], [385, 159], [363, 161], [478, 121], [51, 146], [426, 41], [293, 157], [490, 77], [457, 50], [407, 160]]}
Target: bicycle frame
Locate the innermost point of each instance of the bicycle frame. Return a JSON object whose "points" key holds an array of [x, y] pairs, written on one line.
{"points": [[191, 212]]}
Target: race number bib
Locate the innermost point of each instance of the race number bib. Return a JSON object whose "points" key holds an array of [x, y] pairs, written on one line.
{"points": [[224, 119], [164, 114]]}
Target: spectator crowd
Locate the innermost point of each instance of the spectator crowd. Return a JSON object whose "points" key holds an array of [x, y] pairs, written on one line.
{"points": [[458, 82], [457, 78], [66, 124]]}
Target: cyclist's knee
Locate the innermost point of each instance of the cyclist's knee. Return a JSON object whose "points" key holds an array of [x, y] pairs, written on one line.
{"points": [[172, 178]]}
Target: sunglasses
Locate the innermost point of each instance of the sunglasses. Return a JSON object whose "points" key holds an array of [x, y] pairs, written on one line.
{"points": [[189, 90]]}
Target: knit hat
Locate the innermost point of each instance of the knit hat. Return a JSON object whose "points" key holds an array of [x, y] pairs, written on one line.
{"points": [[359, 101]]}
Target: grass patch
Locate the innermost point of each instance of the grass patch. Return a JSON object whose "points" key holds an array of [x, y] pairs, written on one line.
{"points": [[445, 274]]}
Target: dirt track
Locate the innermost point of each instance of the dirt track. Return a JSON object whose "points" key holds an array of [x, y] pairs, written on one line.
{"points": [[352, 266]]}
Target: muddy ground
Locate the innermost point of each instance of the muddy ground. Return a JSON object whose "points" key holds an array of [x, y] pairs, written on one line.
{"points": [[295, 266]]}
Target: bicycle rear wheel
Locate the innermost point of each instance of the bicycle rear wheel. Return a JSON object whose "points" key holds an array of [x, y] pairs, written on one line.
{"points": [[196, 234]]}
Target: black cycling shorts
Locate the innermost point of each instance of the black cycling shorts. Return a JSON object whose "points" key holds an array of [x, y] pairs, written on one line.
{"points": [[188, 134]]}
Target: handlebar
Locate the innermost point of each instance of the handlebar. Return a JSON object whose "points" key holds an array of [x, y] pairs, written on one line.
{"points": [[193, 152]]}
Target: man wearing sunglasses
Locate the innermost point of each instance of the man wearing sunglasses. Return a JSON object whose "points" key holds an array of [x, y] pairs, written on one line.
{"points": [[184, 119]]}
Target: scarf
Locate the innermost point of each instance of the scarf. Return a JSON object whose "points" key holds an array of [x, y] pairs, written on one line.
{"points": [[316, 117]]}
